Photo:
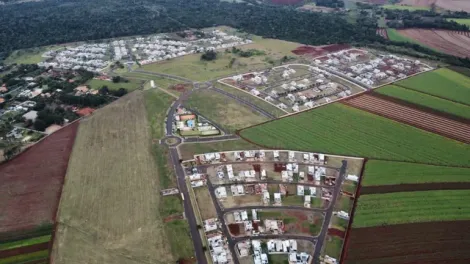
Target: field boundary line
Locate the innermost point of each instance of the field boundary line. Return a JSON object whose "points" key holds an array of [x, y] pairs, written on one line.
{"points": [[344, 249]]}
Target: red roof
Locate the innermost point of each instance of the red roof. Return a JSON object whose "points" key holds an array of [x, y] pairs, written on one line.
{"points": [[85, 111]]}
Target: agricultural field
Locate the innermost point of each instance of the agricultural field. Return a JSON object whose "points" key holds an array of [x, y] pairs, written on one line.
{"points": [[31, 183], [129, 86], [434, 242], [192, 67], [426, 100], [463, 21], [340, 129], [455, 43], [378, 172], [411, 207], [115, 217], [223, 110], [443, 83], [188, 150], [405, 7], [411, 115], [453, 5], [394, 35]]}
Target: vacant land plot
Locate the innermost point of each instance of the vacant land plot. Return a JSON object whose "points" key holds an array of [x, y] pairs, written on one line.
{"points": [[456, 43], [192, 67], [188, 150], [410, 115], [131, 85], [411, 207], [205, 204], [379, 172], [443, 83], [340, 129], [28, 56], [223, 110], [426, 100], [31, 183], [435, 242], [110, 202], [332, 246]]}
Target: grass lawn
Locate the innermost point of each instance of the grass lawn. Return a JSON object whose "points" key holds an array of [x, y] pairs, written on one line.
{"points": [[443, 82], [278, 259], [412, 207], [463, 21], [192, 67], [188, 150], [25, 242], [129, 86], [333, 246], [26, 258], [28, 56], [339, 129], [379, 172], [223, 110], [426, 100], [253, 99], [405, 7]]}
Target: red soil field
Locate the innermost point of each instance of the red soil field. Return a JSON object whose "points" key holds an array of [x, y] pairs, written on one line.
{"points": [[286, 2], [415, 187], [455, 43], [23, 250], [411, 116], [336, 232], [315, 51], [382, 32], [430, 243], [31, 183]]}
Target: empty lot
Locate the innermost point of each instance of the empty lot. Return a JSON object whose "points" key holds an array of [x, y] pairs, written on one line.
{"points": [[109, 205]]}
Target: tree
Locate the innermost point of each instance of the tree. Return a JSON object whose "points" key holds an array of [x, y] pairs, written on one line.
{"points": [[39, 125], [116, 79], [209, 55], [11, 151], [104, 90], [120, 92]]}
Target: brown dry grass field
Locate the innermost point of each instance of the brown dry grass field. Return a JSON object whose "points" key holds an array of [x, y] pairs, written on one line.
{"points": [[204, 202], [109, 205]]}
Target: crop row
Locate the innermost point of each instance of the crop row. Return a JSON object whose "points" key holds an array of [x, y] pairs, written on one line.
{"points": [[412, 207], [340, 129]]}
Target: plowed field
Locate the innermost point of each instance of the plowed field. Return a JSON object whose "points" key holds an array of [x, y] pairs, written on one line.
{"points": [[408, 115], [454, 5], [435, 242], [456, 43], [31, 183]]}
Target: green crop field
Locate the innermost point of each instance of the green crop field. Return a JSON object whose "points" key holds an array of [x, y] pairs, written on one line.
{"points": [[26, 258], [129, 86], [463, 21], [443, 83], [379, 172], [426, 100], [25, 242], [411, 207], [339, 129], [405, 7], [394, 35]]}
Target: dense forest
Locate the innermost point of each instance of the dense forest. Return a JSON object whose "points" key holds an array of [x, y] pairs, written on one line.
{"points": [[61, 21], [424, 19]]}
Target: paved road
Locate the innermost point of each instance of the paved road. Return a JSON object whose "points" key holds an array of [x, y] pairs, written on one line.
{"points": [[247, 103], [329, 212], [210, 139], [275, 207], [312, 239], [169, 76], [263, 162], [188, 209], [276, 182]]}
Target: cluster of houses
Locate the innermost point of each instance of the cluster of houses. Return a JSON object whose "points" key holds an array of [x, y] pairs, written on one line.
{"points": [[273, 246], [371, 70], [189, 124], [218, 246], [91, 57]]}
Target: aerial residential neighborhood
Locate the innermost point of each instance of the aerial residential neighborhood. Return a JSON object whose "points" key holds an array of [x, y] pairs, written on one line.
{"points": [[234, 132]]}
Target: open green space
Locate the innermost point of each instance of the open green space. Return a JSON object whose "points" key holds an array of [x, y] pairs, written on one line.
{"points": [[227, 63], [463, 21], [131, 85], [443, 82], [25, 242], [188, 150], [405, 7], [339, 129], [378, 172], [252, 99], [223, 110], [426, 100], [332, 247], [411, 207], [26, 258], [28, 56]]}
